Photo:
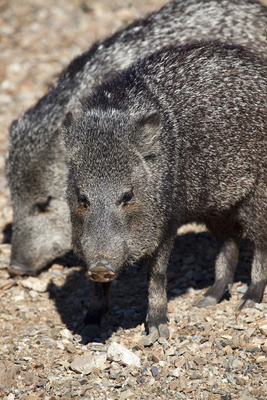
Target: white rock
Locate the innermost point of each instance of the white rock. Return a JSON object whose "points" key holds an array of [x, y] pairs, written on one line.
{"points": [[84, 364], [100, 360], [87, 363], [175, 372], [33, 294], [39, 285], [119, 353], [10, 396], [263, 329], [128, 394], [20, 296], [65, 333]]}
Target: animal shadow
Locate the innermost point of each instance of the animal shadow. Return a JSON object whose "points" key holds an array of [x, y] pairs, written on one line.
{"points": [[191, 265]]}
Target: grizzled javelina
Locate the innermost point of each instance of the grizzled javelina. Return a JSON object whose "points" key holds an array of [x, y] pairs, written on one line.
{"points": [[181, 136], [36, 165]]}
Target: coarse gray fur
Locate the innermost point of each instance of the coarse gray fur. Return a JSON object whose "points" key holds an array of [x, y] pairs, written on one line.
{"points": [[181, 136], [36, 166]]}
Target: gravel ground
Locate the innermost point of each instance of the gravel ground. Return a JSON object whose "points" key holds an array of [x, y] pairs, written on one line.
{"points": [[212, 354]]}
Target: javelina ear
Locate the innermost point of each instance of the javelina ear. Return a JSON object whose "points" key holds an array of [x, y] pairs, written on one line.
{"points": [[68, 121], [150, 129], [66, 130]]}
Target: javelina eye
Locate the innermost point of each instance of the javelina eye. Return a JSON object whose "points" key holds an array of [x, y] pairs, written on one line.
{"points": [[127, 197], [82, 200], [42, 206]]}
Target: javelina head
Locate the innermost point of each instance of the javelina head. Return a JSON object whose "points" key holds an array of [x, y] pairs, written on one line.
{"points": [[36, 173], [113, 188]]}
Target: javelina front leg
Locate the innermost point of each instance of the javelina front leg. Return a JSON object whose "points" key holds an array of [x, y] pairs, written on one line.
{"points": [[98, 308], [224, 273], [255, 292], [157, 296]]}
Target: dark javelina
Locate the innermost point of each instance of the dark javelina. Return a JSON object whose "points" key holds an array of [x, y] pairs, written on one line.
{"points": [[36, 166], [172, 139]]}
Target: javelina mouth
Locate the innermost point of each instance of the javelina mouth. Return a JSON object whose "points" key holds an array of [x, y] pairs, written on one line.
{"points": [[101, 271]]}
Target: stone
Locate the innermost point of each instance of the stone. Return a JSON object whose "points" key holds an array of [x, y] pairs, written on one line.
{"points": [[155, 359], [127, 394], [55, 332], [36, 284], [261, 359], [263, 329], [84, 364], [164, 342], [28, 378], [173, 385], [227, 350], [33, 294], [149, 339], [154, 371], [171, 351], [8, 372], [246, 397], [242, 289], [196, 375], [65, 333], [240, 381], [175, 372], [182, 382], [100, 360], [117, 352]]}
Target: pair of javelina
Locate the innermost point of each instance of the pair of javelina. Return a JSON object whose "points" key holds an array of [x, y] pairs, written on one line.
{"points": [[182, 131]]}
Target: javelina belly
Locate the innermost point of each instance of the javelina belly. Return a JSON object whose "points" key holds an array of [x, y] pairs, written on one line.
{"points": [[173, 139], [36, 165]]}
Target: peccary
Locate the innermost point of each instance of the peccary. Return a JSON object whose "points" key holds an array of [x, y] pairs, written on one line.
{"points": [[181, 136], [36, 164]]}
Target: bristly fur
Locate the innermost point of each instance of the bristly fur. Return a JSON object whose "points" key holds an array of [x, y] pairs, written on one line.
{"points": [[36, 164], [189, 107]]}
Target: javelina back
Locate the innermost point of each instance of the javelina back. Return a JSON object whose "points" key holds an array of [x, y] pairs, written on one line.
{"points": [[172, 139], [36, 165]]}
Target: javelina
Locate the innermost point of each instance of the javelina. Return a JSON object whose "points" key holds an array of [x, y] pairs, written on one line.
{"points": [[181, 136], [36, 165]]}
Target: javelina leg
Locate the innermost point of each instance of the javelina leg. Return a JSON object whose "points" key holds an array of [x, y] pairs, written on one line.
{"points": [[254, 294], [224, 273], [157, 296], [98, 308]]}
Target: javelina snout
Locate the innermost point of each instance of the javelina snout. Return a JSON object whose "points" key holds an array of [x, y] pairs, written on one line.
{"points": [[101, 271]]}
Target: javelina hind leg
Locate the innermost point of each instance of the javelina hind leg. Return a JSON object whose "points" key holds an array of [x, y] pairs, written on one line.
{"points": [[254, 294], [157, 296], [224, 273], [98, 308]]}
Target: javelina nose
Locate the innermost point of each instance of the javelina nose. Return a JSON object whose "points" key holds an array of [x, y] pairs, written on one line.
{"points": [[101, 271]]}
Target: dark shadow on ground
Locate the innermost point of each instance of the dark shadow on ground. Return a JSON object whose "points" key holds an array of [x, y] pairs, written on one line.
{"points": [[191, 265]]}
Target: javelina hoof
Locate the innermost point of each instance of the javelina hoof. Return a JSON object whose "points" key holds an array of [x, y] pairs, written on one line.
{"points": [[89, 332], [253, 295], [150, 338], [14, 270], [244, 304], [161, 331], [164, 331], [205, 301]]}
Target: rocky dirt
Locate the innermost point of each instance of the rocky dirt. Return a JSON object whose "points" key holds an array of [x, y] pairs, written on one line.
{"points": [[212, 353]]}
